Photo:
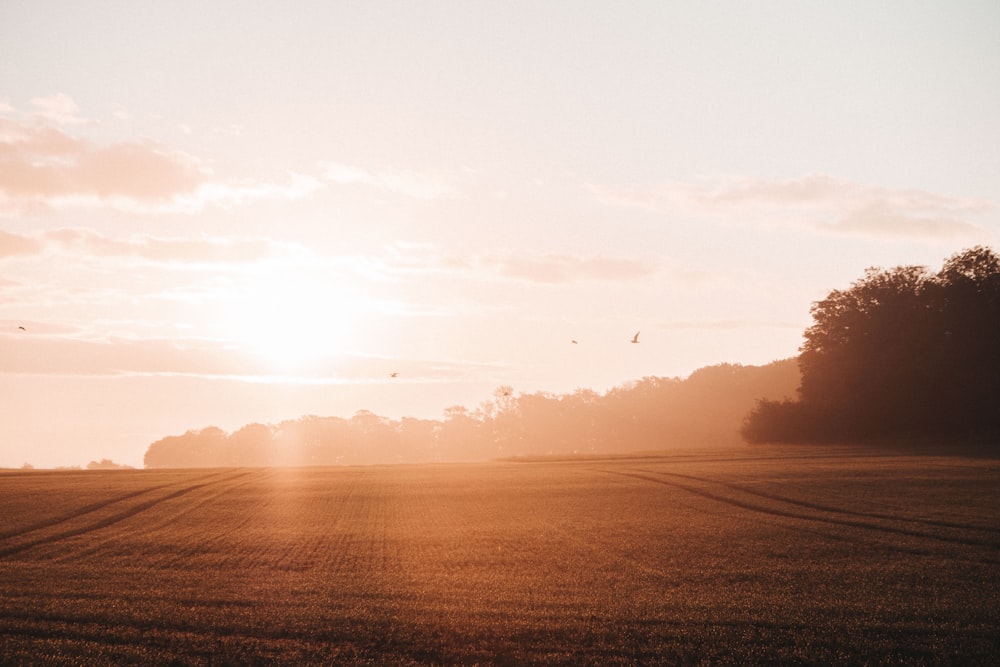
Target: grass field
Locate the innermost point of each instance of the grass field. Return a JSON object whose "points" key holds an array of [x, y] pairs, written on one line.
{"points": [[742, 556]]}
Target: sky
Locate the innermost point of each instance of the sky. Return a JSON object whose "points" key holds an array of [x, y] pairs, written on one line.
{"points": [[213, 214]]}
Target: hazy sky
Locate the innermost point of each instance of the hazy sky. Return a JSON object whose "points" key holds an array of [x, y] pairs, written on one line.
{"points": [[215, 213]]}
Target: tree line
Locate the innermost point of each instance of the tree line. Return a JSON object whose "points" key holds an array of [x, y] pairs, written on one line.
{"points": [[902, 352], [649, 414]]}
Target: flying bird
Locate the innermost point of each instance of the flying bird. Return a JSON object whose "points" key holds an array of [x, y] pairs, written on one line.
{"points": [[22, 328], [574, 342], [393, 374], [635, 338]]}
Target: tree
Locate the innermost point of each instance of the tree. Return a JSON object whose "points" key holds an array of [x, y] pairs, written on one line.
{"points": [[250, 446], [460, 437], [861, 354], [194, 449], [652, 413], [968, 300], [107, 464], [901, 351]]}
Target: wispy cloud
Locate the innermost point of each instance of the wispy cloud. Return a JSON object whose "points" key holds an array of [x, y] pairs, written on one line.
{"points": [[729, 325], [54, 350], [880, 219], [59, 108], [409, 183], [816, 202], [160, 249], [43, 166], [245, 191], [83, 243], [17, 244], [413, 259], [561, 268], [39, 354]]}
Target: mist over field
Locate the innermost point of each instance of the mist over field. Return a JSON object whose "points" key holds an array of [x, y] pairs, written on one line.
{"points": [[705, 409]]}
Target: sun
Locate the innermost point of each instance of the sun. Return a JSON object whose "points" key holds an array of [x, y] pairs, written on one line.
{"points": [[292, 323]]}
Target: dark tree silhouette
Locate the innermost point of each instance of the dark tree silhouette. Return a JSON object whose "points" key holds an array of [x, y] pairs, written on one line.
{"points": [[900, 352], [864, 341]]}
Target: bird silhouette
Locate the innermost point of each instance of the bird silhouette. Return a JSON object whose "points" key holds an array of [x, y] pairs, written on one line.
{"points": [[22, 328], [393, 374], [574, 342], [635, 338]]}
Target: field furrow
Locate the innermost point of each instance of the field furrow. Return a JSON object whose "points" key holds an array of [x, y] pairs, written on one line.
{"points": [[177, 534], [898, 517], [95, 519], [16, 516], [827, 516]]}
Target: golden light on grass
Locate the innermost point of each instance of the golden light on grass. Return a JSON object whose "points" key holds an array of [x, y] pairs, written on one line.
{"points": [[828, 555]]}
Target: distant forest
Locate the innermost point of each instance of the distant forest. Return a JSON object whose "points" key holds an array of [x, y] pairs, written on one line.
{"points": [[901, 353], [654, 413]]}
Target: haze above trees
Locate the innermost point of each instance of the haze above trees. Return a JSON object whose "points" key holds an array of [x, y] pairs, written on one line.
{"points": [[901, 353], [654, 413]]}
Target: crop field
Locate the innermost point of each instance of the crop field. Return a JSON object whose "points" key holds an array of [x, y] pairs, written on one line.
{"points": [[737, 556]]}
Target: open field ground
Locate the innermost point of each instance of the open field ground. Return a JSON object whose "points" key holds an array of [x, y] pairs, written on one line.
{"points": [[743, 556]]}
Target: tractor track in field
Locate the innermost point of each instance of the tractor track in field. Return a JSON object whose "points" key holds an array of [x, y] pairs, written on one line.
{"points": [[829, 508], [657, 478], [110, 520], [210, 495], [86, 509]]}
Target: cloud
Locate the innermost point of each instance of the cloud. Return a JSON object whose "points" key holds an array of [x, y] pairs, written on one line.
{"points": [[816, 202], [43, 167], [90, 243], [343, 174], [59, 108], [56, 351], [229, 195], [883, 220], [159, 249], [558, 268], [16, 244], [414, 259], [404, 182], [40, 354], [730, 325]]}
